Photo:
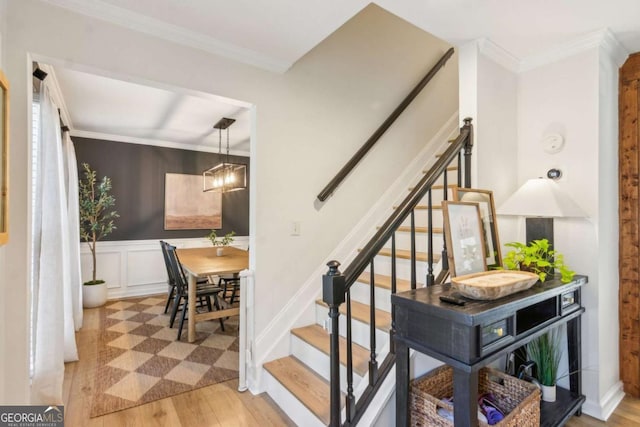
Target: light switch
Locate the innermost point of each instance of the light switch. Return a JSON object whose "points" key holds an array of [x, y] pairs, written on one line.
{"points": [[295, 228]]}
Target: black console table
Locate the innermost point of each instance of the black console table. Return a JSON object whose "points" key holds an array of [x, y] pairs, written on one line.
{"points": [[471, 336]]}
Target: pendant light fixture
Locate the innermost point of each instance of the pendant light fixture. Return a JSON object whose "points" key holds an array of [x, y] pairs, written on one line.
{"points": [[226, 176]]}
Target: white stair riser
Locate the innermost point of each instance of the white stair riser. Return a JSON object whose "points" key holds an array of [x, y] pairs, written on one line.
{"points": [[382, 265], [359, 330], [361, 292], [295, 410], [421, 218], [319, 362], [403, 241]]}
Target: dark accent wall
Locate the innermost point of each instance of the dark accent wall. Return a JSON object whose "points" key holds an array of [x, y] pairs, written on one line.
{"points": [[137, 173]]}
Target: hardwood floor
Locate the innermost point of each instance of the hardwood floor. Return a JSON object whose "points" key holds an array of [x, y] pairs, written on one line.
{"points": [[627, 414], [217, 405]]}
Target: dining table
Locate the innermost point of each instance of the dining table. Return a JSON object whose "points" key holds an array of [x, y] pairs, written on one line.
{"points": [[203, 263]]}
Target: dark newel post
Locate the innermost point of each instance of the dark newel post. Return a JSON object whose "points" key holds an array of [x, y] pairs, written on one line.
{"points": [[468, 146], [333, 294]]}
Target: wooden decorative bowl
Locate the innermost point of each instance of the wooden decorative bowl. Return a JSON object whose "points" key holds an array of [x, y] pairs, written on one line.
{"points": [[490, 285]]}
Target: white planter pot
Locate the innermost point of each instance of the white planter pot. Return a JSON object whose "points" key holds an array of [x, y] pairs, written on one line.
{"points": [[548, 393], [94, 295], [220, 251]]}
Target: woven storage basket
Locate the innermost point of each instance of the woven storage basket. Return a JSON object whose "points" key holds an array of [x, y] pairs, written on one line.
{"points": [[520, 399]]}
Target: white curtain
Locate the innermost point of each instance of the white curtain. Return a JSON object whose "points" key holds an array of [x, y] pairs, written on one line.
{"points": [[57, 303]]}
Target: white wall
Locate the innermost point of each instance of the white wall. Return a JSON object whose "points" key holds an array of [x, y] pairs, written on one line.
{"points": [[608, 236], [488, 94], [563, 97], [576, 98], [496, 132], [309, 120]]}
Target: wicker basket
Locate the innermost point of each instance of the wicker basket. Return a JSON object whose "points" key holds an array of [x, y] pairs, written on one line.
{"points": [[520, 399]]}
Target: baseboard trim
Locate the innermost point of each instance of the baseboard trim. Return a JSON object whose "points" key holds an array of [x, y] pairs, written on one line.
{"points": [[607, 404]]}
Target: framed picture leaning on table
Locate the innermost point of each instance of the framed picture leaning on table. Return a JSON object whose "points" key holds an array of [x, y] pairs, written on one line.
{"points": [[484, 199], [465, 238]]}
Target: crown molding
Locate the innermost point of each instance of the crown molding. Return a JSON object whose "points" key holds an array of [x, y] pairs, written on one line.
{"points": [[499, 54], [140, 23], [596, 39], [613, 48], [602, 39], [157, 143]]}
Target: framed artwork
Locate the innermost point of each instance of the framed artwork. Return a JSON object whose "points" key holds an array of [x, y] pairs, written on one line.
{"points": [[187, 207], [484, 199], [465, 238], [4, 159]]}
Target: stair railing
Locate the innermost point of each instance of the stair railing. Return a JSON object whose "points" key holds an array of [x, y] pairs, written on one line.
{"points": [[336, 286], [359, 155]]}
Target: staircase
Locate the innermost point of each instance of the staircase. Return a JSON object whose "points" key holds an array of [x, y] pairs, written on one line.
{"points": [[337, 364]]}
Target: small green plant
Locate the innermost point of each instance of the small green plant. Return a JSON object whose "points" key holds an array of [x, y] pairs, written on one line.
{"points": [[223, 241], [546, 351], [537, 257], [96, 216]]}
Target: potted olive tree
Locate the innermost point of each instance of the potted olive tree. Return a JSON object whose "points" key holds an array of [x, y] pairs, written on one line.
{"points": [[96, 222]]}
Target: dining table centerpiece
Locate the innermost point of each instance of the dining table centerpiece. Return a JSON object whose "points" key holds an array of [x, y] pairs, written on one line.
{"points": [[220, 242]]}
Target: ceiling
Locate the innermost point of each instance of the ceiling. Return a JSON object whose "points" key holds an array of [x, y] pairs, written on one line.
{"points": [[102, 107], [273, 35]]}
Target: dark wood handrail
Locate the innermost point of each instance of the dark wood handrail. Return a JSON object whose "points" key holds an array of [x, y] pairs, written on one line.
{"points": [[384, 233], [348, 167]]}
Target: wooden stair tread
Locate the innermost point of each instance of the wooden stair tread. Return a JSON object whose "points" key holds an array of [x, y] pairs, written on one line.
{"points": [[360, 312], [406, 254], [407, 229], [316, 336], [306, 385], [383, 281]]}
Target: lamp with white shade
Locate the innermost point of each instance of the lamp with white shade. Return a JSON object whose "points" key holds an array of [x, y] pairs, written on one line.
{"points": [[540, 200]]}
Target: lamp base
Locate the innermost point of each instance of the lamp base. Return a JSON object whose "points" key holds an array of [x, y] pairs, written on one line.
{"points": [[539, 228]]}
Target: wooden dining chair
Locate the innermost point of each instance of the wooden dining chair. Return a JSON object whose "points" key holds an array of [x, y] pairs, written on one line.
{"points": [[204, 290], [171, 281], [230, 282]]}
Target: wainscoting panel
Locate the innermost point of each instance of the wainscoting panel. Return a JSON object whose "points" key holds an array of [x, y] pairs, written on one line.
{"points": [[109, 265], [145, 267], [135, 267]]}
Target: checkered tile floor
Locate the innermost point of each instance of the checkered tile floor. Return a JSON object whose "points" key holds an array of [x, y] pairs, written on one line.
{"points": [[140, 360]]}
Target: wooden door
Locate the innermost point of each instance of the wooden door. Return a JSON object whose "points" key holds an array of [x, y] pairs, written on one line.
{"points": [[629, 198]]}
